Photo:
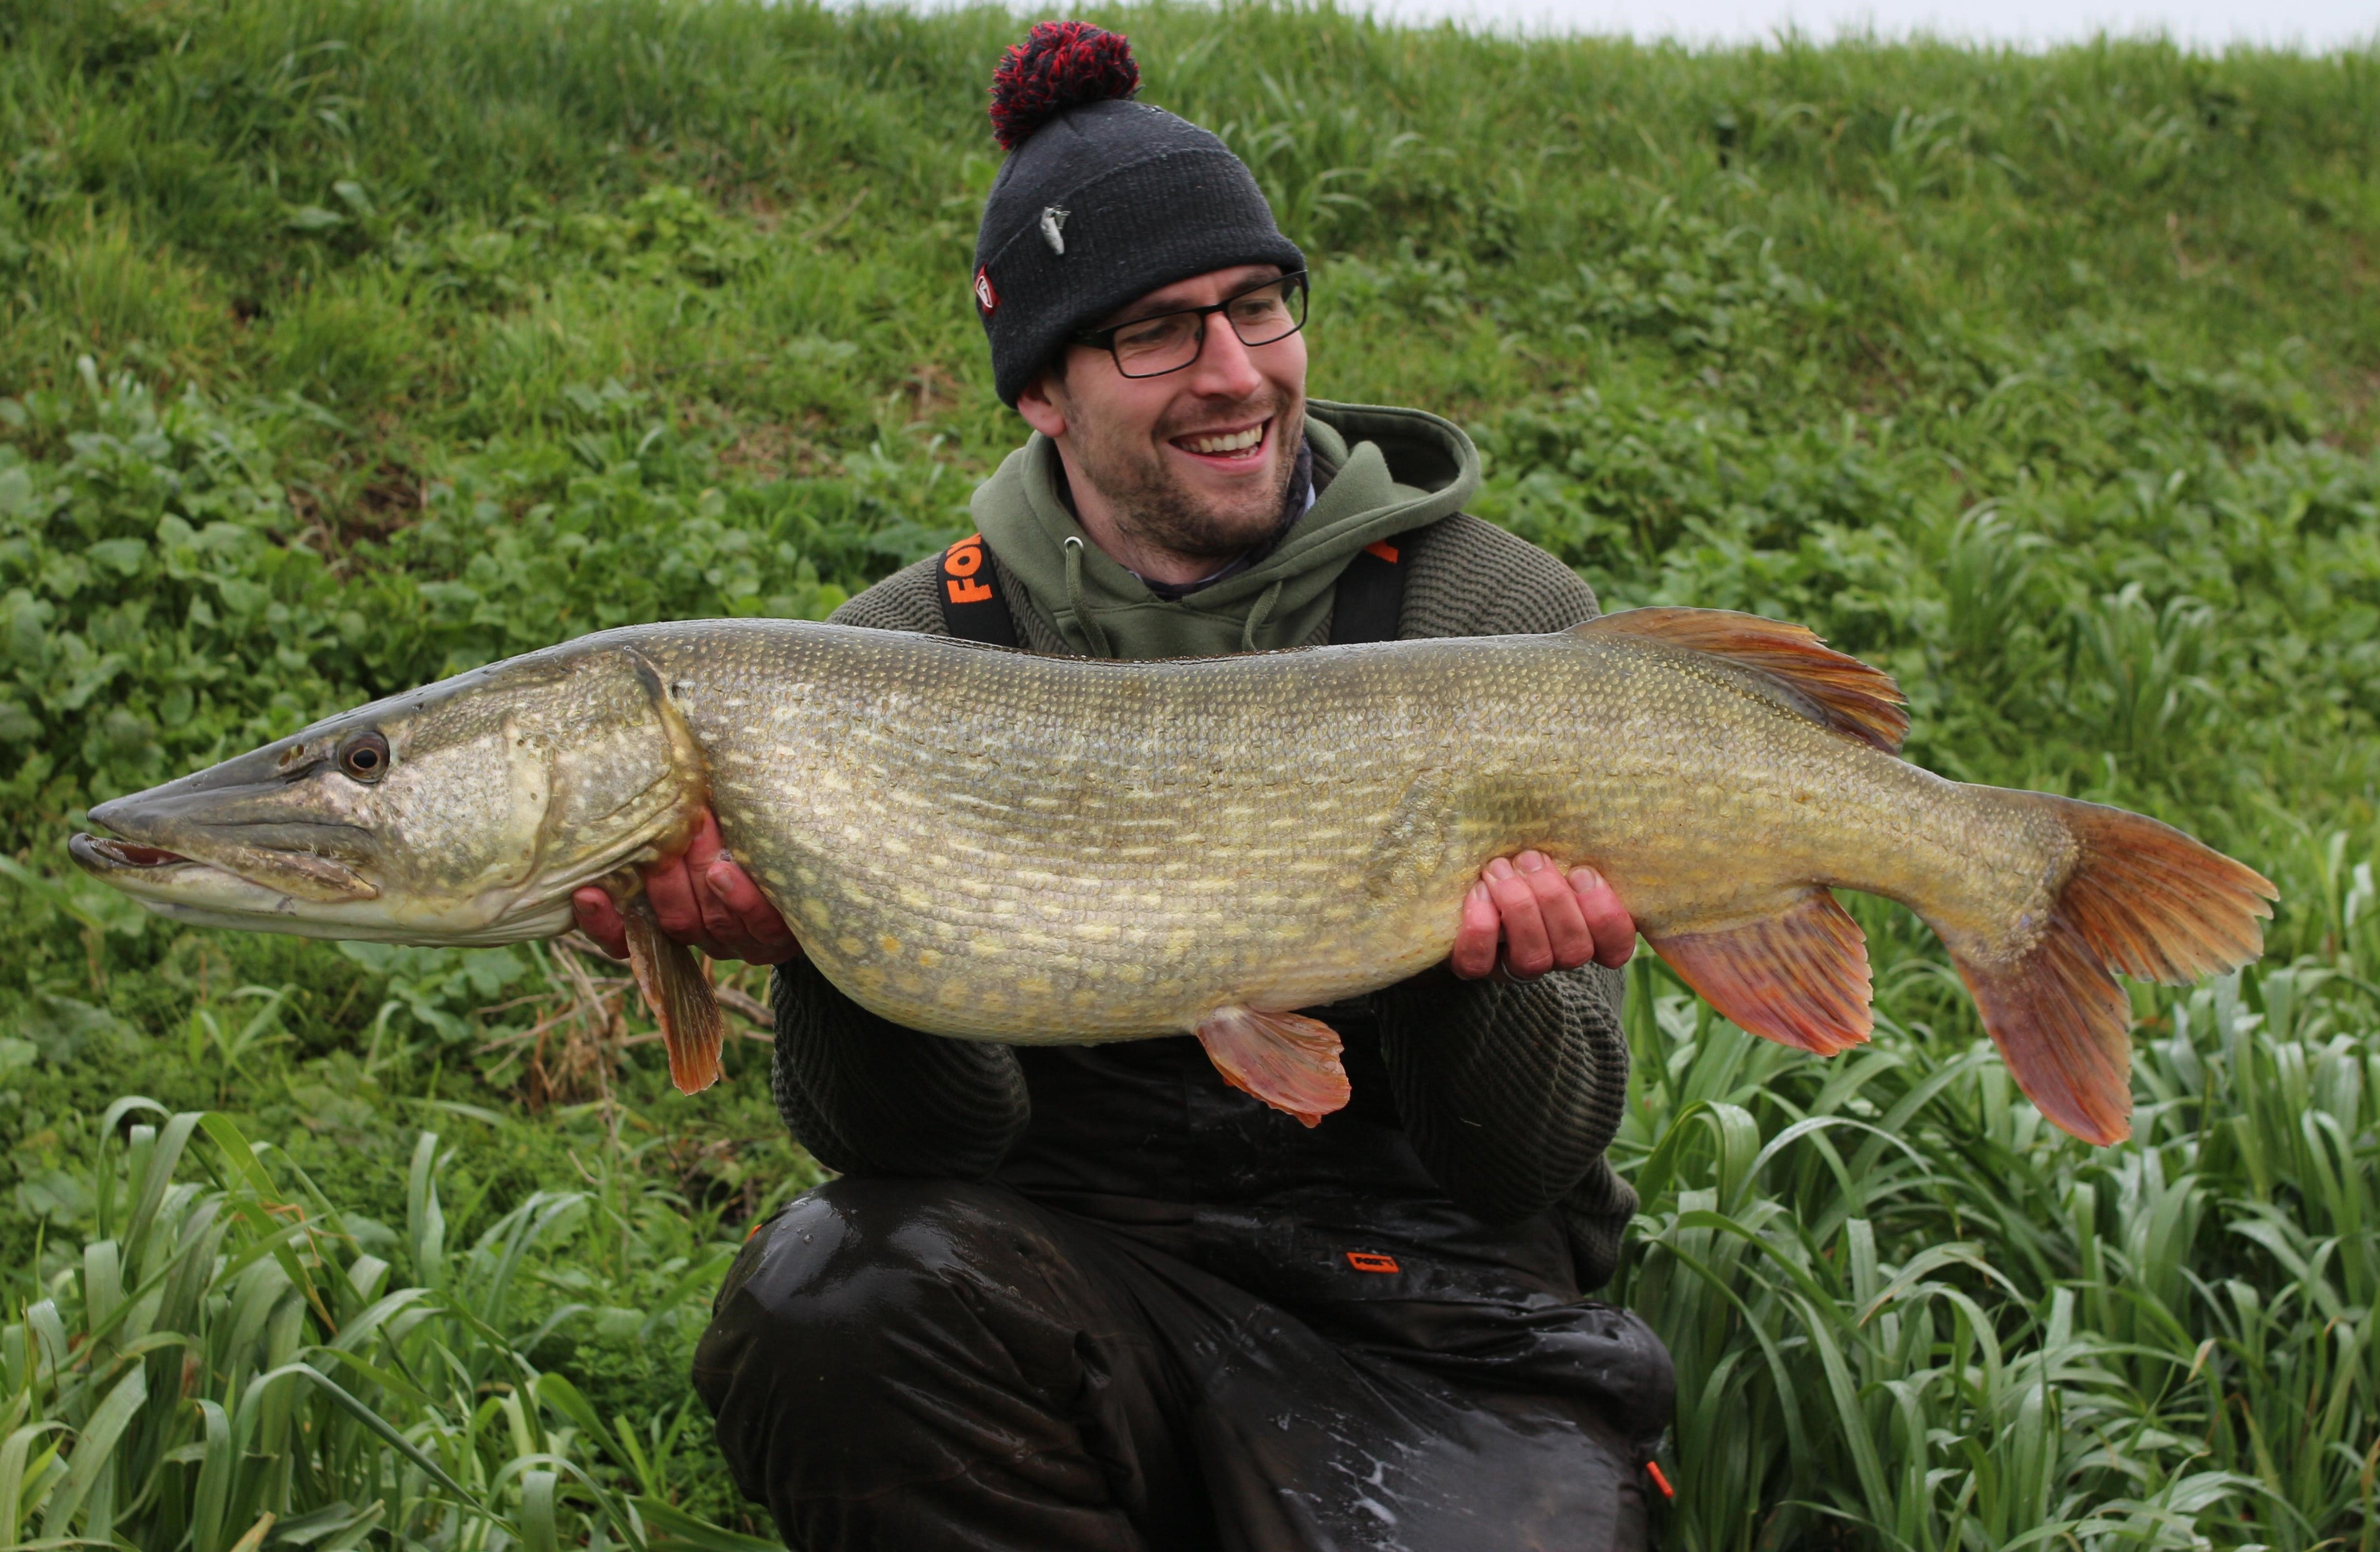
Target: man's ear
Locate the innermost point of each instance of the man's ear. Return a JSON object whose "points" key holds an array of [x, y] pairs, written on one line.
{"points": [[1043, 404]]}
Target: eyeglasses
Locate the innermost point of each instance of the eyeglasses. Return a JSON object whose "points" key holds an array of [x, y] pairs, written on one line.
{"points": [[1264, 313]]}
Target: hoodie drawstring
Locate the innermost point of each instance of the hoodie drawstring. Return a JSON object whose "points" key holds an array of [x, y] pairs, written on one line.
{"points": [[1095, 637], [1258, 614]]}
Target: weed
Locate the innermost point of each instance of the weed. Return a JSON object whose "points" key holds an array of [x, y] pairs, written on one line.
{"points": [[347, 343]]}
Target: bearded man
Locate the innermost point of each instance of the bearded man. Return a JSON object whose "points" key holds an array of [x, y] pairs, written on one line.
{"points": [[1066, 1298]]}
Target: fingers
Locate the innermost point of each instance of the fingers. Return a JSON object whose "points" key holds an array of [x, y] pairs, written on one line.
{"points": [[1606, 919], [670, 887], [703, 899], [1546, 921], [1476, 939], [743, 920], [1567, 934], [1528, 936], [703, 847], [600, 920]]}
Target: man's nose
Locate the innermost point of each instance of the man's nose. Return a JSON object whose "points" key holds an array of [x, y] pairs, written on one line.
{"points": [[1224, 368]]}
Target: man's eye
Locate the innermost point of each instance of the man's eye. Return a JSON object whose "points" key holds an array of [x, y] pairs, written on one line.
{"points": [[1153, 334], [1256, 309]]}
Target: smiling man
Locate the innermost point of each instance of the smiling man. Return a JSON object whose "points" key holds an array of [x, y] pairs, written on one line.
{"points": [[1182, 479], [1077, 1297]]}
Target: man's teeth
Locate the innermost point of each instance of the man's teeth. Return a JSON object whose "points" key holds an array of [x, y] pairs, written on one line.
{"points": [[1236, 442]]}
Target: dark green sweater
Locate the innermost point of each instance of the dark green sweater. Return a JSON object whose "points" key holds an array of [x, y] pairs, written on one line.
{"points": [[1508, 1092]]}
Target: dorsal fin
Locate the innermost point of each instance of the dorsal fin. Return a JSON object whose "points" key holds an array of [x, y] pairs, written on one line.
{"points": [[1845, 694]]}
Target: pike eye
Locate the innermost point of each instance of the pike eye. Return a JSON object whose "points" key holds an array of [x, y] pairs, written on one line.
{"points": [[365, 757]]}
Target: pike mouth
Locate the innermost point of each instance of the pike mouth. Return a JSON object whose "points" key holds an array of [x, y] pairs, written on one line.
{"points": [[280, 891], [276, 875], [107, 852]]}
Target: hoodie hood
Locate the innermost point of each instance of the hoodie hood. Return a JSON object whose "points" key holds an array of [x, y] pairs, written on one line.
{"points": [[1384, 471]]}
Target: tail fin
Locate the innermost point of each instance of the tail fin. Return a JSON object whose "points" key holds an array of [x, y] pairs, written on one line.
{"points": [[2142, 898]]}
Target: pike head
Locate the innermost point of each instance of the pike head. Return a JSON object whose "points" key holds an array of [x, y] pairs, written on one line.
{"points": [[463, 813]]}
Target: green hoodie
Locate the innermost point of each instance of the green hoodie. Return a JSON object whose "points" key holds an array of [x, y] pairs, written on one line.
{"points": [[1391, 471]]}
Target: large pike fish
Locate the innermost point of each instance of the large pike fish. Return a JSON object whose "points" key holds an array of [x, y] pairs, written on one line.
{"points": [[998, 846]]}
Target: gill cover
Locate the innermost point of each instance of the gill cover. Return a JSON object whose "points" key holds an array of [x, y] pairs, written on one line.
{"points": [[676, 987]]}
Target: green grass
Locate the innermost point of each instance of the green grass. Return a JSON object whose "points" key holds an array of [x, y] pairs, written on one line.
{"points": [[344, 345]]}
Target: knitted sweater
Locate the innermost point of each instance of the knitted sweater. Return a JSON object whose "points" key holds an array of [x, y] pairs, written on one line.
{"points": [[1509, 1092]]}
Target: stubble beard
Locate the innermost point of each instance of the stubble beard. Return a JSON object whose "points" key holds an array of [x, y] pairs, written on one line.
{"points": [[1155, 507]]}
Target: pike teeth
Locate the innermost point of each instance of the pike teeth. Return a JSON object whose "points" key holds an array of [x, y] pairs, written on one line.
{"points": [[129, 854], [1235, 442]]}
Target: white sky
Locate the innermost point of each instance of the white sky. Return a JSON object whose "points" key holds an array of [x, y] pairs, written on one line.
{"points": [[2320, 25]]}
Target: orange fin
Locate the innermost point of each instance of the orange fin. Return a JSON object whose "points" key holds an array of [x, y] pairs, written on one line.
{"points": [[2142, 898], [1799, 979], [681, 999], [1827, 686], [1289, 1061], [2157, 903], [2064, 1027]]}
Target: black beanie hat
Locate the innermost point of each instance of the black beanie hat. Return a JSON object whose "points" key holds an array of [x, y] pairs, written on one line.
{"points": [[1101, 199]]}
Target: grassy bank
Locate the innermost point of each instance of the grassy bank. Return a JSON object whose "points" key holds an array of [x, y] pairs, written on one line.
{"points": [[346, 344]]}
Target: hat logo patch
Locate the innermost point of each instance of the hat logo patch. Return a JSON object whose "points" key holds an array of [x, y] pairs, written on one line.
{"points": [[1053, 228], [986, 297]]}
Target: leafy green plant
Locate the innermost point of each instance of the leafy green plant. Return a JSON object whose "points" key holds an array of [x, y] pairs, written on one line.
{"points": [[234, 1035], [351, 342], [227, 1366], [1902, 1303]]}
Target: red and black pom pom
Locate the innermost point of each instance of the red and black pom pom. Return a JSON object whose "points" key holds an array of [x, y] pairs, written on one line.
{"points": [[1060, 64]]}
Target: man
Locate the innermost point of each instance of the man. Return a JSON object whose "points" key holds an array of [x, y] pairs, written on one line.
{"points": [[1091, 1297]]}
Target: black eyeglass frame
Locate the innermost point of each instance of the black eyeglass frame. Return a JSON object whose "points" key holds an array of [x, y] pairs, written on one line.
{"points": [[1104, 339]]}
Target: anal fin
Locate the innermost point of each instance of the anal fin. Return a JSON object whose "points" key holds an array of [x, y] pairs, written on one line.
{"points": [[1289, 1061], [1799, 979], [680, 997]]}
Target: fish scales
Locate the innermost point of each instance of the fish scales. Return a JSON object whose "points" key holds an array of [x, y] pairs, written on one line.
{"points": [[1058, 839], [996, 845], [980, 837]]}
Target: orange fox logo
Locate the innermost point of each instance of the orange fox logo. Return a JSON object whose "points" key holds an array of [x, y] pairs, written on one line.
{"points": [[960, 562]]}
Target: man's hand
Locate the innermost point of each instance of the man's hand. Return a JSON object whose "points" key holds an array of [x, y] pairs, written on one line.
{"points": [[702, 899], [1543, 920]]}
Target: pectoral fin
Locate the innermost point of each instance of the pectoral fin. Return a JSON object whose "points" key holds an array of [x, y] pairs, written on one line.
{"points": [[1799, 979], [1290, 1062], [681, 999]]}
